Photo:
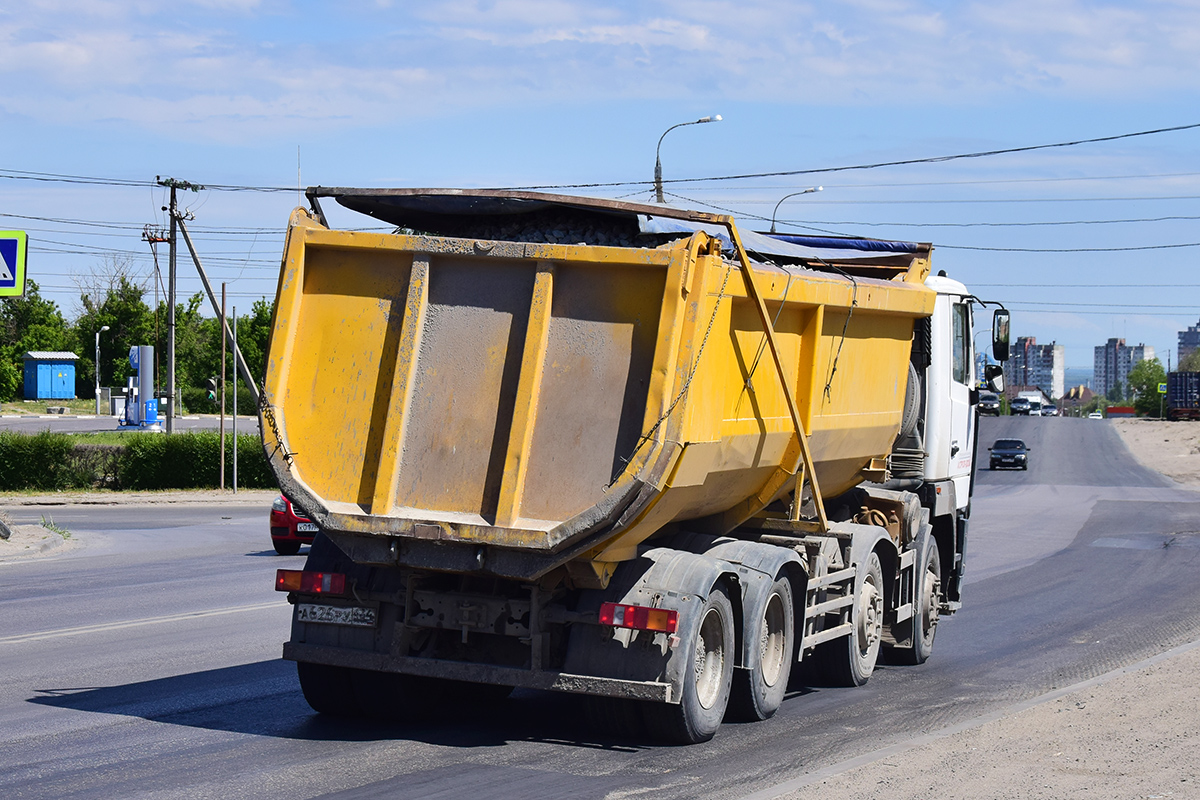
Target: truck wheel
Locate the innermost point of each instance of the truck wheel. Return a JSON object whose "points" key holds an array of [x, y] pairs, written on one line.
{"points": [[394, 697], [328, 690], [706, 685], [850, 660], [925, 615], [617, 717], [286, 547], [758, 692]]}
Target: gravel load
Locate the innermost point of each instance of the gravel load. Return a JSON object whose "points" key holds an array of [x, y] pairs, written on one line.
{"points": [[552, 226]]}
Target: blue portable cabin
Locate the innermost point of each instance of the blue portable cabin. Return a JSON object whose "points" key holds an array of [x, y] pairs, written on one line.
{"points": [[49, 375]]}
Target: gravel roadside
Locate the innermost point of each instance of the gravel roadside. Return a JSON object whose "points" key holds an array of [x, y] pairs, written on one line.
{"points": [[41, 541], [1127, 734]]}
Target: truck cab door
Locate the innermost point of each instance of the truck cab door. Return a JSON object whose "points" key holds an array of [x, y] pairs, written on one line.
{"points": [[962, 379]]}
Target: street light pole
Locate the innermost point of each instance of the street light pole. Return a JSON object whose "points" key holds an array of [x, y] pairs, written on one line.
{"points": [[809, 190], [658, 190], [103, 328], [975, 353]]}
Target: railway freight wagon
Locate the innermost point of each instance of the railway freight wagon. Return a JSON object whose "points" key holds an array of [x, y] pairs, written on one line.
{"points": [[1183, 395], [613, 449]]}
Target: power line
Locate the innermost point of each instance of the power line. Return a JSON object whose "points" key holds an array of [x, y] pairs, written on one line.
{"points": [[973, 201], [1068, 249], [877, 165], [978, 182], [15, 174], [1113, 313], [989, 224], [1098, 305], [1089, 285]]}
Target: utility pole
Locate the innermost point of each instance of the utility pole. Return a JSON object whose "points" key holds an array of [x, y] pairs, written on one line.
{"points": [[235, 408], [222, 386], [154, 236], [173, 209]]}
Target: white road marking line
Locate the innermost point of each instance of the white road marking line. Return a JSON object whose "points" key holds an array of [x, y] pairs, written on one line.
{"points": [[134, 623]]}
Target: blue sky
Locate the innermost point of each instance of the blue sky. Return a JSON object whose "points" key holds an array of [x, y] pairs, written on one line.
{"points": [[531, 92]]}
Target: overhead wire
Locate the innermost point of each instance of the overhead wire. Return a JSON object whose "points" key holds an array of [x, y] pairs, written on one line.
{"points": [[15, 174]]}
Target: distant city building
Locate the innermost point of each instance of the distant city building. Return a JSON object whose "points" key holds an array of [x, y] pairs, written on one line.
{"points": [[1113, 362], [1189, 341], [1033, 364]]}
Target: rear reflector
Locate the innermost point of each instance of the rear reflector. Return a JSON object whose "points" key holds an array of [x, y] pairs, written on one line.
{"points": [[639, 617], [294, 580]]}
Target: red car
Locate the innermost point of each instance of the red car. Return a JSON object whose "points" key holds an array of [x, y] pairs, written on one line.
{"points": [[289, 530]]}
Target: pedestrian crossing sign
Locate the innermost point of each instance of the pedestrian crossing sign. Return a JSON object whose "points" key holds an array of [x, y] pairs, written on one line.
{"points": [[13, 245]]}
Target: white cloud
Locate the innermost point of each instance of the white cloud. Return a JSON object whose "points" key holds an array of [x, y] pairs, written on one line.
{"points": [[247, 62]]}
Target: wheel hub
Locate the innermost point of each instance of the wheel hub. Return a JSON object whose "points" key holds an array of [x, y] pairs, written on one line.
{"points": [[870, 617]]}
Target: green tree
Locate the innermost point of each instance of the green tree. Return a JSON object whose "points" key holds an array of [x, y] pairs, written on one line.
{"points": [[1097, 403], [130, 323], [29, 323], [1117, 393], [1144, 379], [1191, 363], [254, 331]]}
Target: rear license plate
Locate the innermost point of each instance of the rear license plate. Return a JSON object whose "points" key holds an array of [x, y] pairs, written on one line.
{"points": [[336, 615], [307, 527]]}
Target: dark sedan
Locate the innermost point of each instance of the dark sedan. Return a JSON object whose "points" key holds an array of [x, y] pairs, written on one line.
{"points": [[989, 404], [1010, 453]]}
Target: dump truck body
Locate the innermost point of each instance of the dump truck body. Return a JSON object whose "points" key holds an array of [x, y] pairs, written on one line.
{"points": [[520, 415]]}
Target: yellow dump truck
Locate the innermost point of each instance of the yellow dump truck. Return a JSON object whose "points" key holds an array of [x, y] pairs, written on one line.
{"points": [[615, 449]]}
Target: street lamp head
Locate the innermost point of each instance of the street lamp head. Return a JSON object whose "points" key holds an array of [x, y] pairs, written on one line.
{"points": [[809, 190], [658, 190], [103, 328]]}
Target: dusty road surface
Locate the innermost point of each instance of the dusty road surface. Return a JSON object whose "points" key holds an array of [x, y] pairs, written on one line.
{"points": [[1130, 733]]}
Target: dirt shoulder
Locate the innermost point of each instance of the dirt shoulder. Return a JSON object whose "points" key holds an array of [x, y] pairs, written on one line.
{"points": [[244, 497], [40, 541], [1172, 448], [1122, 735]]}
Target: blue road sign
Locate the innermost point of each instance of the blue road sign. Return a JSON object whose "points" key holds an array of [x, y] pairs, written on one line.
{"points": [[13, 245]]}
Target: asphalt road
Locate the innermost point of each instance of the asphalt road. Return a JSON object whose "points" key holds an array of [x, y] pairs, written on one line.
{"points": [[145, 662]]}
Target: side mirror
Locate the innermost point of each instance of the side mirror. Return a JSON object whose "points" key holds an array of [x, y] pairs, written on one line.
{"points": [[993, 374], [1000, 320]]}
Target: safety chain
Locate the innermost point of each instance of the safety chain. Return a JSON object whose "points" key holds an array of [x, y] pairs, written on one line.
{"points": [[683, 390], [264, 408]]}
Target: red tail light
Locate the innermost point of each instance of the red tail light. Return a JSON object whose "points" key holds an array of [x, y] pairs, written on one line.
{"points": [[639, 617], [294, 580]]}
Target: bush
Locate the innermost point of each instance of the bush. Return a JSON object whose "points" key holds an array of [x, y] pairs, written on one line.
{"points": [[197, 401], [42, 461], [55, 461], [10, 380], [189, 461]]}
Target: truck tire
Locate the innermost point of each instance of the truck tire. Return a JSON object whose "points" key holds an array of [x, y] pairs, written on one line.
{"points": [[329, 690], [285, 547], [706, 687], [393, 697], [925, 614], [850, 660], [617, 717], [758, 691], [912, 404]]}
